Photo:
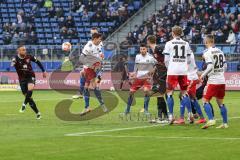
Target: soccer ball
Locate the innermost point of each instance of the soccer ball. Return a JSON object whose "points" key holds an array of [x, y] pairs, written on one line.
{"points": [[112, 89], [66, 46]]}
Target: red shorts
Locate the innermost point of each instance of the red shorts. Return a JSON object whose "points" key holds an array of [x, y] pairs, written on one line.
{"points": [[192, 87], [139, 83], [89, 74], [214, 90], [174, 80]]}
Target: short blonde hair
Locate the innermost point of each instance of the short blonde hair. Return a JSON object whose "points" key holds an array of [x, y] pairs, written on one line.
{"points": [[177, 30], [209, 38]]}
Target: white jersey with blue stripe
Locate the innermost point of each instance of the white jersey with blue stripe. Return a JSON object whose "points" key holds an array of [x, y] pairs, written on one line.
{"points": [[215, 57], [177, 52]]}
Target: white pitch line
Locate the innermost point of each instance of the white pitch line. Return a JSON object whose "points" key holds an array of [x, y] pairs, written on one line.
{"points": [[112, 130], [163, 137], [123, 129]]}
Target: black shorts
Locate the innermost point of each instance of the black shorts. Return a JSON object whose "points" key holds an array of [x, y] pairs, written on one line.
{"points": [[199, 92], [124, 77], [159, 79], [24, 84]]}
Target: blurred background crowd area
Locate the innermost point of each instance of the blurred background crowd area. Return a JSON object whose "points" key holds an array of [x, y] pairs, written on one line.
{"points": [[51, 22]]}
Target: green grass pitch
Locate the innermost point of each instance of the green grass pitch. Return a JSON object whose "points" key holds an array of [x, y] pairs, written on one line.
{"points": [[24, 137]]}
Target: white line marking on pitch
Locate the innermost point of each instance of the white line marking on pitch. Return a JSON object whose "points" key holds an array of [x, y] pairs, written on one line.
{"points": [[123, 129], [163, 137], [111, 130]]}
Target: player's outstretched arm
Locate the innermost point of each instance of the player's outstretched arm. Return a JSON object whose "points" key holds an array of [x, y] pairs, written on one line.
{"points": [[34, 59]]}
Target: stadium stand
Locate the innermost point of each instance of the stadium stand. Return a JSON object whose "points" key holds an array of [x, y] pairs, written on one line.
{"points": [[50, 22], [198, 18], [45, 24]]}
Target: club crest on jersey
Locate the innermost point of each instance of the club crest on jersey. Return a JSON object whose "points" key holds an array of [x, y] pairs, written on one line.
{"points": [[25, 66], [27, 60]]}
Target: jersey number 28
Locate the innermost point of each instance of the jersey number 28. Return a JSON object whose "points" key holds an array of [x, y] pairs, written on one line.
{"points": [[218, 61]]}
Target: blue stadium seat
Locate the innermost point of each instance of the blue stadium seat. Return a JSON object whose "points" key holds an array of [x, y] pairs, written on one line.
{"points": [[38, 30], [232, 49], [48, 35], [40, 35], [5, 20], [111, 24], [80, 29], [130, 8], [226, 49], [54, 24], [82, 35], [74, 41], [86, 24], [136, 4], [37, 19], [232, 9], [46, 25], [94, 24], [42, 41], [102, 24], [58, 41], [4, 10], [199, 50], [45, 20], [87, 29], [104, 29], [48, 30], [38, 25], [131, 51], [50, 41], [12, 15], [11, 5]]}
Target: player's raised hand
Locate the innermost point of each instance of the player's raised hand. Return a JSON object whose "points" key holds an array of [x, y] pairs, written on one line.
{"points": [[13, 62], [44, 74]]}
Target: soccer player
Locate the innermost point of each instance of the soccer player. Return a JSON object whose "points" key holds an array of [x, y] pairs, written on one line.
{"points": [[122, 67], [200, 89], [159, 79], [177, 52], [82, 78], [216, 65], [93, 56], [22, 63], [193, 80], [143, 69]]}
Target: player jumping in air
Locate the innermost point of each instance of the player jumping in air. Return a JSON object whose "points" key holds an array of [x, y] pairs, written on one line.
{"points": [[22, 63], [92, 59], [82, 78], [144, 63], [159, 79], [216, 65], [177, 52]]}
